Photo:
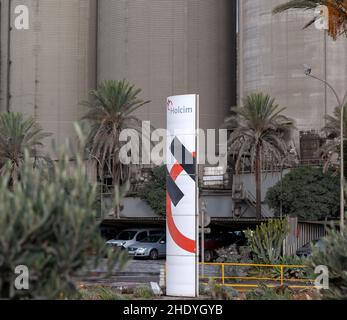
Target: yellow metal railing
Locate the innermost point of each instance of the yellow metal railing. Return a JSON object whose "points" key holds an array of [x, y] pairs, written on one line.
{"points": [[254, 281]]}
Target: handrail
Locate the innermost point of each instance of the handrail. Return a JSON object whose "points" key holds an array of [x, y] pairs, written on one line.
{"points": [[249, 280], [253, 265]]}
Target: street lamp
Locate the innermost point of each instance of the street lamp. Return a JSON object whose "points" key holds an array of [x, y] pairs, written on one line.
{"points": [[341, 105]]}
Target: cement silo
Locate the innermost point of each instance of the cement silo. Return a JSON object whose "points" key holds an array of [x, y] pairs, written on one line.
{"points": [[48, 69], [272, 51], [169, 47]]}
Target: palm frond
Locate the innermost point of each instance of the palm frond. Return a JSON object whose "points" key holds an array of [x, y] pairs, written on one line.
{"points": [[258, 124], [109, 113], [17, 136], [337, 13]]}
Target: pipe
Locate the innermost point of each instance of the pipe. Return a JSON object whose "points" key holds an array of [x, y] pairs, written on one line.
{"points": [[8, 91]]}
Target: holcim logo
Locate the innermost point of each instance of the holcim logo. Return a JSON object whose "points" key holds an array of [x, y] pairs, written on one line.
{"points": [[177, 110]]}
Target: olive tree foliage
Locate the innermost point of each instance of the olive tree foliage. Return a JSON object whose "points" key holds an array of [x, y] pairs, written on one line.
{"points": [[333, 256], [48, 224]]}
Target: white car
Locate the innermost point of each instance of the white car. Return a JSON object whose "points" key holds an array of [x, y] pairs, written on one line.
{"points": [[129, 237]]}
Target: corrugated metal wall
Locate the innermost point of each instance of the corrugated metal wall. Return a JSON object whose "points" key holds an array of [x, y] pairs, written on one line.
{"points": [[272, 52], [171, 47], [302, 233], [53, 63]]}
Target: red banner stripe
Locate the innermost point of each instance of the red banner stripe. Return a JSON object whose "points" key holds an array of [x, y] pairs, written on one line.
{"points": [[180, 239], [176, 171]]}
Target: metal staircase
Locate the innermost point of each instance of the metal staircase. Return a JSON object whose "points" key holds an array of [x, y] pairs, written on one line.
{"points": [[242, 195]]}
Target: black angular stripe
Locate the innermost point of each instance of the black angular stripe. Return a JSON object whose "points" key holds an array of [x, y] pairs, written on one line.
{"points": [[175, 193], [184, 157]]}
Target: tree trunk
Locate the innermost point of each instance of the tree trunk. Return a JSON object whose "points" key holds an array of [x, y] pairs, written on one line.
{"points": [[14, 177], [258, 183], [116, 181]]}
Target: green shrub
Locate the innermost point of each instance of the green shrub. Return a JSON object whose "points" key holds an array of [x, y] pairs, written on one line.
{"points": [[143, 292], [218, 292], [266, 293], [333, 254], [295, 272], [267, 240], [234, 254], [100, 293], [288, 272], [48, 223], [307, 193], [153, 192]]}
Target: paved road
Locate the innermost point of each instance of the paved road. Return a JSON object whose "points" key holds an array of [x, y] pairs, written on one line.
{"points": [[144, 266], [136, 271], [136, 266]]}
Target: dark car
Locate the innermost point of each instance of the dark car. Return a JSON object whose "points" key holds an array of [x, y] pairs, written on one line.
{"points": [[306, 250], [218, 240]]}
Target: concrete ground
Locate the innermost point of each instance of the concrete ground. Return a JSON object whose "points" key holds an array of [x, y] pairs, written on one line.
{"points": [[135, 272]]}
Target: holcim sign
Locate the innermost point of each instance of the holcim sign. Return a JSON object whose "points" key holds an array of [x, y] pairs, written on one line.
{"points": [[182, 196]]}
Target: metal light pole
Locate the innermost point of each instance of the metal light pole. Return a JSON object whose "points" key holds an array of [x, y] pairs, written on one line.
{"points": [[203, 216], [341, 105], [281, 177]]}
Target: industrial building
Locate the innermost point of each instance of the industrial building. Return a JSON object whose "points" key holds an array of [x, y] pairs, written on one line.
{"points": [[48, 70], [164, 47], [167, 47], [272, 52]]}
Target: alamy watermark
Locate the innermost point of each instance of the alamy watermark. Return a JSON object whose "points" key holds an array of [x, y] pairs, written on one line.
{"points": [[322, 280], [150, 147], [21, 282], [22, 18]]}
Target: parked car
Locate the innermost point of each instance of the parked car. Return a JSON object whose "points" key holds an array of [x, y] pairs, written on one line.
{"points": [[129, 237], [306, 250], [218, 240], [152, 247]]}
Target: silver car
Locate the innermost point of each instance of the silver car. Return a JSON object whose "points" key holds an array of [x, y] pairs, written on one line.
{"points": [[152, 247], [129, 237]]}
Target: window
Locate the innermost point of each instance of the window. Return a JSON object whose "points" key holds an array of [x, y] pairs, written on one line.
{"points": [[141, 236], [152, 232], [126, 235]]}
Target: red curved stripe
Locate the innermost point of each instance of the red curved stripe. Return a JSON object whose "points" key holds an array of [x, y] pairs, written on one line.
{"points": [[176, 171], [180, 239]]}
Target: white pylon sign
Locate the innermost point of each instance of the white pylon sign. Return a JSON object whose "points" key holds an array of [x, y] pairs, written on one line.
{"points": [[182, 263]]}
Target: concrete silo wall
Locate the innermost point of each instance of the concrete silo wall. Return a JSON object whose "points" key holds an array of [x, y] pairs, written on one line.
{"points": [[169, 47], [52, 65], [272, 52]]}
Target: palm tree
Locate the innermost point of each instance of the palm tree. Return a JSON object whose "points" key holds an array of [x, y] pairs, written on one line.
{"points": [[109, 114], [259, 135], [18, 135], [337, 13]]}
